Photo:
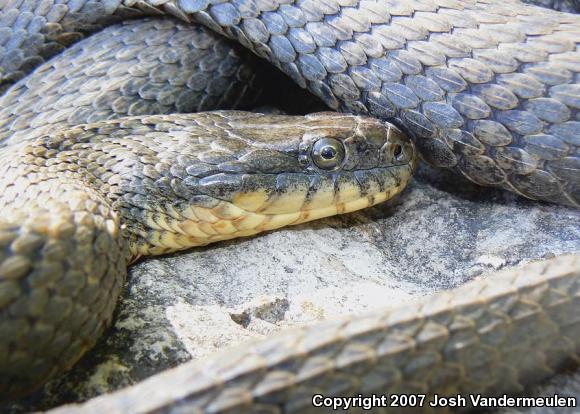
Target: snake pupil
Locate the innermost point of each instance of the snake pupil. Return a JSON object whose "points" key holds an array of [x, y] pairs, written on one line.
{"points": [[328, 153]]}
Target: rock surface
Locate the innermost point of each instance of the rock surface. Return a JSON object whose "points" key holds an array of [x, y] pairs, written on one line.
{"points": [[436, 235]]}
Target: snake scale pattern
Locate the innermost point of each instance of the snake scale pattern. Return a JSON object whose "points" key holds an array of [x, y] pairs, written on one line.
{"points": [[96, 173]]}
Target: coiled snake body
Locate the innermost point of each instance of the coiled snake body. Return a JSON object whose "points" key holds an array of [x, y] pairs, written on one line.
{"points": [[90, 181]]}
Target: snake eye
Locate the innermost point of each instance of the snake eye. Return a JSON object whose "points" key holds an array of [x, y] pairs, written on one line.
{"points": [[328, 153]]}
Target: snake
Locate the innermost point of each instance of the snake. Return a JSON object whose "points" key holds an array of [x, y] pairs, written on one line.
{"points": [[100, 164]]}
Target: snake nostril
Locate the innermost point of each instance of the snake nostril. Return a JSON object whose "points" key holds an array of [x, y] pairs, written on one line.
{"points": [[397, 151]]}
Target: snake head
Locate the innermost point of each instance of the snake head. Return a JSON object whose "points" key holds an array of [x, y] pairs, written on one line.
{"points": [[190, 180], [240, 174], [277, 164]]}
